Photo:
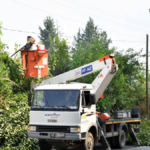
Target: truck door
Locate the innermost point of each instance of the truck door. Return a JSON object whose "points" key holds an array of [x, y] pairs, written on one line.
{"points": [[88, 102], [88, 117]]}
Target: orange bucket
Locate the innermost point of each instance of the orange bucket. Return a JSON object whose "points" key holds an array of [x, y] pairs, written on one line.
{"points": [[35, 62]]}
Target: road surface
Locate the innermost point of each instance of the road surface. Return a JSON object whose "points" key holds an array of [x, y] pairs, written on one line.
{"points": [[125, 148]]}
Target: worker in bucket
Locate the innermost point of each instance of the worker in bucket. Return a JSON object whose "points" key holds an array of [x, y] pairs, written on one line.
{"points": [[30, 41]]}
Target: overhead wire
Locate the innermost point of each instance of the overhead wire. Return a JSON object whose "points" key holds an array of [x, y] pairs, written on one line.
{"points": [[135, 4], [127, 41], [19, 31], [99, 10], [107, 20], [68, 18], [139, 44], [145, 2], [46, 11], [62, 36]]}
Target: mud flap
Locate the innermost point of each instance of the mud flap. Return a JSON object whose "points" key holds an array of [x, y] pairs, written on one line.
{"points": [[104, 141], [133, 136]]}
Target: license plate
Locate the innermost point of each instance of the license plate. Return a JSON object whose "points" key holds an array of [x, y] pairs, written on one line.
{"points": [[50, 120], [57, 135]]}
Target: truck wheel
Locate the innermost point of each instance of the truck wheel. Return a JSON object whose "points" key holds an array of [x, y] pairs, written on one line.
{"points": [[88, 143], [121, 139], [44, 145]]}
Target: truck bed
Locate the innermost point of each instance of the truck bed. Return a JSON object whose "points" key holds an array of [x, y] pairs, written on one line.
{"points": [[124, 120]]}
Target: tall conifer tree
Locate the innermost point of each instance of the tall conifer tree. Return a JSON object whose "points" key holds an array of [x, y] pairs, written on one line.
{"points": [[90, 33], [48, 31]]}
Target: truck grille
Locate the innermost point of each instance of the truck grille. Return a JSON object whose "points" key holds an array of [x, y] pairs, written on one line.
{"points": [[65, 129]]}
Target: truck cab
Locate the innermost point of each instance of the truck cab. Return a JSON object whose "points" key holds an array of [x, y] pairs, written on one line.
{"points": [[62, 105]]}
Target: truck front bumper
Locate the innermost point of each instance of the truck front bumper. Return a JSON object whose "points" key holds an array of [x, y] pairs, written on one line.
{"points": [[46, 135]]}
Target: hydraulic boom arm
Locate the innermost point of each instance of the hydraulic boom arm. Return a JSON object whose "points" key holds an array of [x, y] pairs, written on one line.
{"points": [[108, 66]]}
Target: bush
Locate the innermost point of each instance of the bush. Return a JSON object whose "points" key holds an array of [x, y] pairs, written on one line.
{"points": [[144, 135], [14, 109], [14, 119]]}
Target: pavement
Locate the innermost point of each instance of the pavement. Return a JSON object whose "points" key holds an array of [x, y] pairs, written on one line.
{"points": [[99, 147]]}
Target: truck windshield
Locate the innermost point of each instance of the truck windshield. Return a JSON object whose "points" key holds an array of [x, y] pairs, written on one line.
{"points": [[56, 99]]}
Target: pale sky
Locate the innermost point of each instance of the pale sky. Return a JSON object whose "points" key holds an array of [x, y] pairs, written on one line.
{"points": [[126, 21]]}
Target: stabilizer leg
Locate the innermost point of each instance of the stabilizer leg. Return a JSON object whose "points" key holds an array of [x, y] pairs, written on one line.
{"points": [[133, 136], [104, 141]]}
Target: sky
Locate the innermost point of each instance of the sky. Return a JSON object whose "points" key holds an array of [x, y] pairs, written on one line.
{"points": [[126, 21]]}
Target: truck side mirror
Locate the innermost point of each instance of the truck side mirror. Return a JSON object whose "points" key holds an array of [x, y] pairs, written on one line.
{"points": [[29, 98]]}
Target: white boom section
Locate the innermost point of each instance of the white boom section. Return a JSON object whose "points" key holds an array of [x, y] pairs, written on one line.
{"points": [[99, 84], [103, 79], [78, 72]]}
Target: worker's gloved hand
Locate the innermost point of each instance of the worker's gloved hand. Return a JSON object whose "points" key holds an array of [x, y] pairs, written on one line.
{"points": [[22, 48]]}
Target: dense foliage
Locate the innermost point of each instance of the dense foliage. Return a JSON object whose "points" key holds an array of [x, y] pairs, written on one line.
{"points": [[14, 119], [144, 134], [125, 90], [15, 72], [59, 56], [14, 109]]}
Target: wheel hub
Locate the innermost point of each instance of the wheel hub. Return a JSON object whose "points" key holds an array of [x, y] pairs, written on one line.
{"points": [[90, 143]]}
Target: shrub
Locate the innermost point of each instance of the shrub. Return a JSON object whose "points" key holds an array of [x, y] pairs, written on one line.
{"points": [[144, 135], [14, 119]]}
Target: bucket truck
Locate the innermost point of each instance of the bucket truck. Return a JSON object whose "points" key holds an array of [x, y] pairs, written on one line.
{"points": [[64, 113]]}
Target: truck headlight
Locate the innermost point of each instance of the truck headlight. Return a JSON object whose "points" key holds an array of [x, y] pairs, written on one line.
{"points": [[32, 128], [75, 129]]}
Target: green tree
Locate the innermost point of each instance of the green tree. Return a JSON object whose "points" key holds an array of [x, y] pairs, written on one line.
{"points": [[48, 31], [125, 90], [90, 33], [14, 109], [2, 45], [13, 67], [59, 56]]}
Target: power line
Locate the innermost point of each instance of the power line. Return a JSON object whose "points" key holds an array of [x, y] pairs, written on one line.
{"points": [[69, 18], [62, 36], [140, 44], [46, 11], [19, 31], [145, 2], [126, 41], [134, 4], [97, 16], [105, 12]]}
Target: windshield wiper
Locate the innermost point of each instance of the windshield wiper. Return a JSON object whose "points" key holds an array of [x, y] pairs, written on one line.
{"points": [[50, 106], [45, 106], [64, 107], [38, 106]]}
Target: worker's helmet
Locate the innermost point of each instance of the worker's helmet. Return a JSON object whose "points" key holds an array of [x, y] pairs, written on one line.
{"points": [[31, 40], [29, 36]]}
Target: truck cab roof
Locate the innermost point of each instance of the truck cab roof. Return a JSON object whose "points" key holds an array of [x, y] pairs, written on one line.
{"points": [[72, 86]]}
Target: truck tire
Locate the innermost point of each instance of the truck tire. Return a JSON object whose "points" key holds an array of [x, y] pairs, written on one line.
{"points": [[88, 143], [121, 139], [118, 141], [44, 145]]}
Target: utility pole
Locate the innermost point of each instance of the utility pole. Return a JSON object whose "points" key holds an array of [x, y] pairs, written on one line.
{"points": [[147, 104]]}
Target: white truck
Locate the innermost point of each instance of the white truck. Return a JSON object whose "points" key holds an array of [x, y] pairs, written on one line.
{"points": [[64, 113]]}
